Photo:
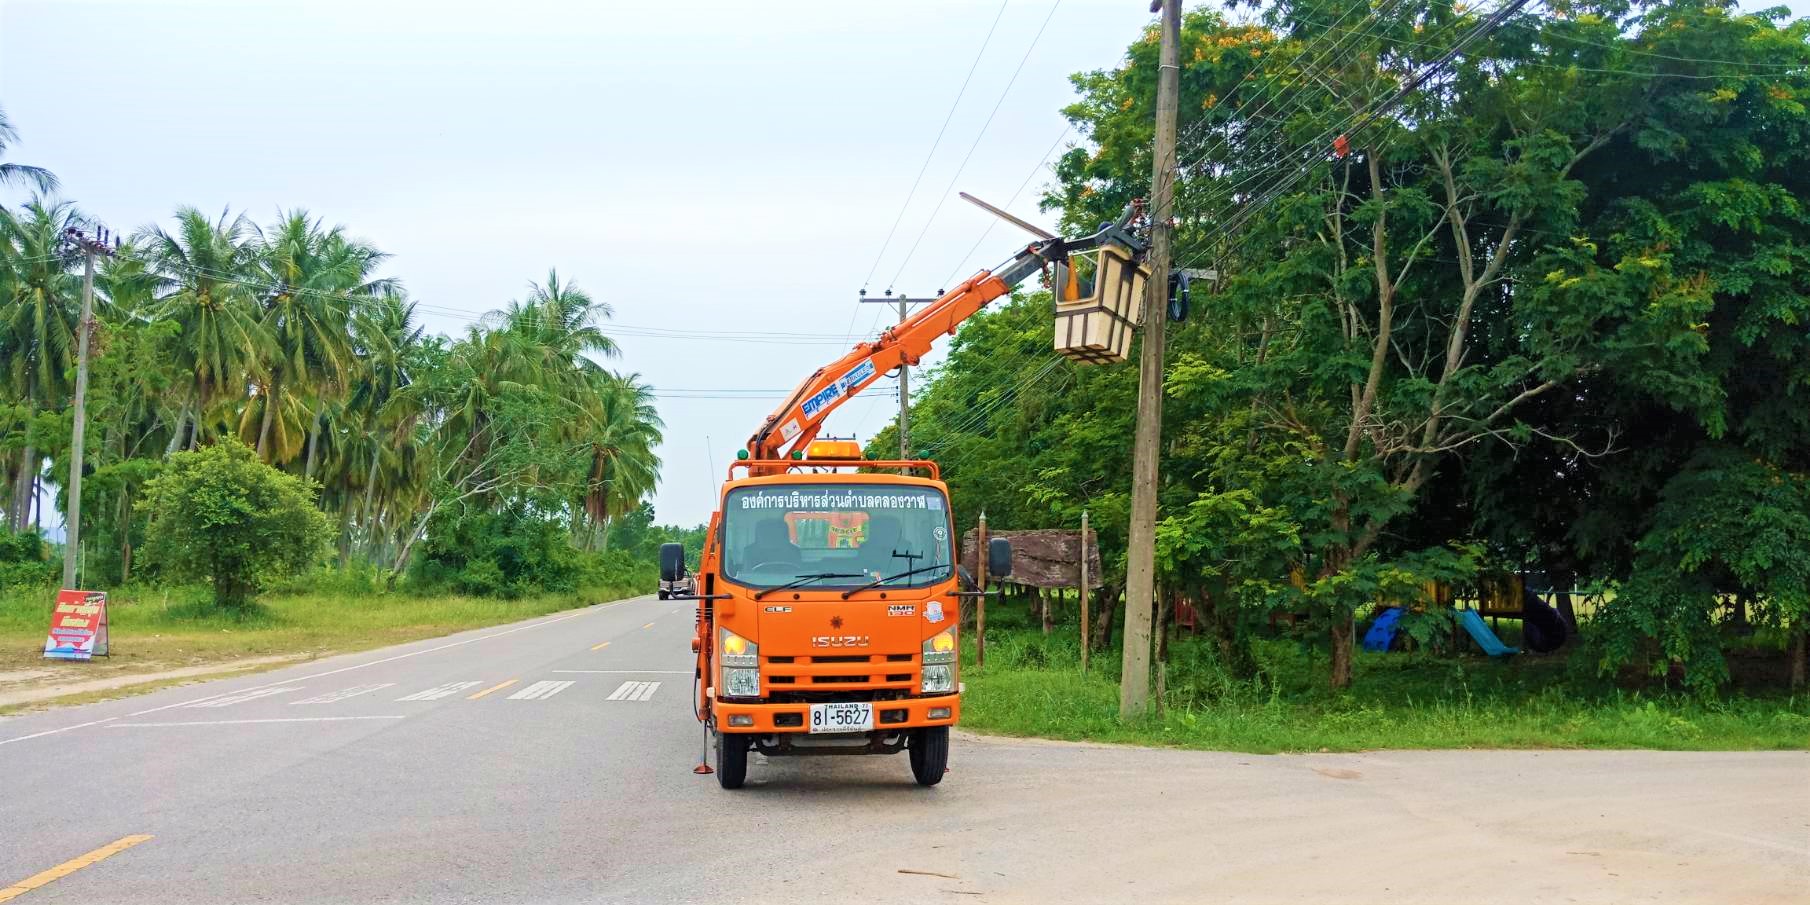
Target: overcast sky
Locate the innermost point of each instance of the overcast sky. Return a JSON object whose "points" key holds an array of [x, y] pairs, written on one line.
{"points": [[705, 168]]}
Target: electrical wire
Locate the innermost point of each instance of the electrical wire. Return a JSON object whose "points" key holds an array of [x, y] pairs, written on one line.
{"points": [[950, 280], [975, 146], [933, 146]]}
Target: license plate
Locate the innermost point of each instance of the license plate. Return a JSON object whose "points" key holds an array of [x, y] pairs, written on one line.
{"points": [[854, 717]]}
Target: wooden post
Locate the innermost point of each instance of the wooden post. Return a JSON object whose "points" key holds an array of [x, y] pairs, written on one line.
{"points": [[1084, 632], [980, 603]]}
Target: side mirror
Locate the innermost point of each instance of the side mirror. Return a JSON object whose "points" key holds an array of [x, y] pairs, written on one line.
{"points": [[672, 562], [999, 557], [967, 577]]}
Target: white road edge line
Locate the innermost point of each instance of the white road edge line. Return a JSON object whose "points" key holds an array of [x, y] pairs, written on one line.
{"points": [[333, 672], [290, 719], [55, 731]]}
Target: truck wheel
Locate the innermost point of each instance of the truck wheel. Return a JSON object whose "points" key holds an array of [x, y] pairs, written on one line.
{"points": [[662, 594], [731, 760], [929, 754]]}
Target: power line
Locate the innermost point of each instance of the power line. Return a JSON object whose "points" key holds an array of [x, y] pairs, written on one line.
{"points": [[933, 146], [992, 222], [976, 146]]}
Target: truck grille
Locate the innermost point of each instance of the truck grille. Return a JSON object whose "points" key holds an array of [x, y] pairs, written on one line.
{"points": [[843, 672]]}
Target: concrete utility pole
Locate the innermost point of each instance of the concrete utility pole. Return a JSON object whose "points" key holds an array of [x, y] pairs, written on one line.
{"points": [[72, 541], [904, 374], [1140, 568]]}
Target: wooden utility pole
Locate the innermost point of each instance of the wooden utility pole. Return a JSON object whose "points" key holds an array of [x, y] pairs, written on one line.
{"points": [[72, 540], [1140, 568], [980, 603], [1084, 631]]}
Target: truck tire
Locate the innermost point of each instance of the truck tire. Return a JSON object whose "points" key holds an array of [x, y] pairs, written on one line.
{"points": [[929, 754], [731, 760], [661, 593]]}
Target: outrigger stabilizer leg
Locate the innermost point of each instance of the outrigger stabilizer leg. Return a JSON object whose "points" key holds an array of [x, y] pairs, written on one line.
{"points": [[703, 767]]}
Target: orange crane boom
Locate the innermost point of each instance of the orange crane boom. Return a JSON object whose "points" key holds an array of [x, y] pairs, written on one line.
{"points": [[797, 421]]}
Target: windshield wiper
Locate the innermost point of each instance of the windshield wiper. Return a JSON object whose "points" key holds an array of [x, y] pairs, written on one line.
{"points": [[801, 579], [880, 581]]}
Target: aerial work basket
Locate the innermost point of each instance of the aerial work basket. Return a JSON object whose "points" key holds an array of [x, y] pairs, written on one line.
{"points": [[1099, 304]]}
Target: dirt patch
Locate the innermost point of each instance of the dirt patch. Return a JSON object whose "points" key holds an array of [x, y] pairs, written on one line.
{"points": [[24, 687]]}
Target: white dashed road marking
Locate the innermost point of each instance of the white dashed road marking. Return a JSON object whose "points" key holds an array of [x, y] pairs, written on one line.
{"points": [[540, 691], [342, 694], [635, 691], [439, 691], [243, 696]]}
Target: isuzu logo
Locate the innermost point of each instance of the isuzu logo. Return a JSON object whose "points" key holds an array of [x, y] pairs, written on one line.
{"points": [[839, 641]]}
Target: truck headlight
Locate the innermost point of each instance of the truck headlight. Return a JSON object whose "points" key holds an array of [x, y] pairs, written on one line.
{"points": [[736, 650], [941, 647], [741, 683], [938, 679]]}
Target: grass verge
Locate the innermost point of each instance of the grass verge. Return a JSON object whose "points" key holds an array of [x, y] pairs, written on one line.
{"points": [[1032, 686], [159, 629]]}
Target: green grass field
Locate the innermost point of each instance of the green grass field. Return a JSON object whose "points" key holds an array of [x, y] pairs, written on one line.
{"points": [[156, 629], [1032, 686]]}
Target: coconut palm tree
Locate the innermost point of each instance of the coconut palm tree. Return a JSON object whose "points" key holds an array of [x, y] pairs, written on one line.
{"points": [[13, 174], [622, 430], [203, 270], [37, 326], [310, 279]]}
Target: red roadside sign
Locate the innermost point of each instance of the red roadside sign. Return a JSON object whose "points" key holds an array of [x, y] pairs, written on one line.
{"points": [[78, 626]]}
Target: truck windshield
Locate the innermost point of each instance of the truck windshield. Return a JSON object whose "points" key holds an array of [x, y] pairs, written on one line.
{"points": [[776, 533]]}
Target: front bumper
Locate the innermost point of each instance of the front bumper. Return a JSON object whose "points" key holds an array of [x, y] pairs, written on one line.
{"points": [[903, 713]]}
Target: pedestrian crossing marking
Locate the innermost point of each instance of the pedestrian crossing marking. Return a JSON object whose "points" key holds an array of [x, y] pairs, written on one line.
{"points": [[439, 691], [541, 690], [332, 697], [243, 696], [635, 691]]}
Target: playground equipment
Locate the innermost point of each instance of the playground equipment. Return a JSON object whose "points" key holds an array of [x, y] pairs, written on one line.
{"points": [[1480, 633]]}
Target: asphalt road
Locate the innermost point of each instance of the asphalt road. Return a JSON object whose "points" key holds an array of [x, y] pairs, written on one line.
{"points": [[408, 775]]}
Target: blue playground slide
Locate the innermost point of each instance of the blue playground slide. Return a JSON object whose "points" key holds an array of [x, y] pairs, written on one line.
{"points": [[1480, 633], [1382, 631]]}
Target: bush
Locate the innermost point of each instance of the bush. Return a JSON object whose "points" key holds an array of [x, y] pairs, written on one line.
{"points": [[508, 553], [24, 560], [220, 515]]}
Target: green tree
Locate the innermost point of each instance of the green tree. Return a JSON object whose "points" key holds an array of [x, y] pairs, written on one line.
{"points": [[13, 174], [219, 514]]}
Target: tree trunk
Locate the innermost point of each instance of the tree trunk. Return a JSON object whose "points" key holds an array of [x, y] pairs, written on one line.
{"points": [[183, 419], [1104, 620], [1567, 610], [345, 536], [1341, 650], [1800, 657], [270, 409], [9, 480], [402, 556], [314, 439], [125, 534], [23, 498]]}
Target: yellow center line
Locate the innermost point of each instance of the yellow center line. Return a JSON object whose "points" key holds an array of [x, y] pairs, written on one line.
{"points": [[69, 867], [497, 687], [601, 646], [649, 625]]}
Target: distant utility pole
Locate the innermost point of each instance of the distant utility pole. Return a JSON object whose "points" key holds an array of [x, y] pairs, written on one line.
{"points": [[88, 246], [1140, 567], [904, 373]]}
